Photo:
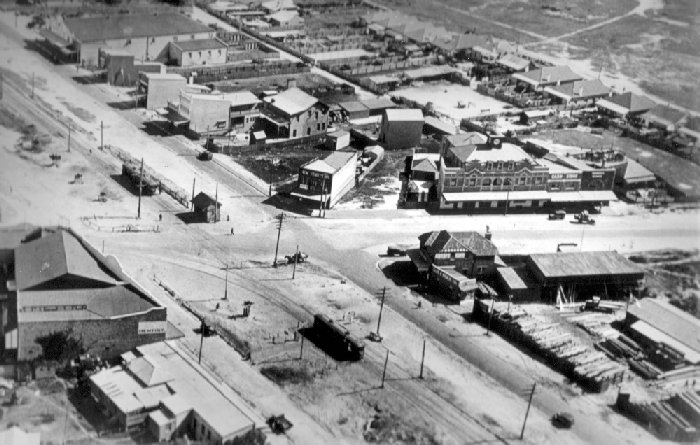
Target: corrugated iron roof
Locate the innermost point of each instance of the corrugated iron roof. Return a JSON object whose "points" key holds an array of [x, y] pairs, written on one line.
{"points": [[53, 256], [577, 264], [95, 29], [291, 101], [404, 114], [668, 319]]}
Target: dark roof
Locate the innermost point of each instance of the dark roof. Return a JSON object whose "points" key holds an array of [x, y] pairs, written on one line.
{"points": [[53, 256], [693, 123], [668, 319], [95, 29], [438, 241], [633, 102], [665, 114], [204, 200], [353, 106], [577, 264], [462, 152], [379, 103], [200, 44]]}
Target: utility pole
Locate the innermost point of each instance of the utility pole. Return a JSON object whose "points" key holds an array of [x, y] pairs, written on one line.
{"points": [[422, 360], [201, 340], [505, 211], [138, 216], [301, 348], [296, 260], [193, 181], [386, 361], [488, 325], [216, 204], [102, 135], [381, 308], [532, 393], [226, 288], [280, 217]]}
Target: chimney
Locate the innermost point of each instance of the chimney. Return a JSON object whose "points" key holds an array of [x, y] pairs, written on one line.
{"points": [[291, 83], [494, 141], [487, 235]]}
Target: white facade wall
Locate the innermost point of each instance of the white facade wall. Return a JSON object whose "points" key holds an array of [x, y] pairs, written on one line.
{"points": [[343, 181]]}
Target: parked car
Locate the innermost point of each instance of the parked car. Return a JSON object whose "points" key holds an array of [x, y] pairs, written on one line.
{"points": [[559, 214], [562, 420]]}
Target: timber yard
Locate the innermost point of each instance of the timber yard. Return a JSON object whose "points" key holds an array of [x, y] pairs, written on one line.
{"points": [[227, 222]]}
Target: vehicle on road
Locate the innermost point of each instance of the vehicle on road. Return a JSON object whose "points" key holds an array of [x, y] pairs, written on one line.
{"points": [[279, 424], [559, 214], [395, 250], [205, 155], [298, 257], [583, 218], [562, 420]]}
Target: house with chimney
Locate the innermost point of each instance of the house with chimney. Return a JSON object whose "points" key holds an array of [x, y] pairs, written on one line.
{"points": [[294, 114]]}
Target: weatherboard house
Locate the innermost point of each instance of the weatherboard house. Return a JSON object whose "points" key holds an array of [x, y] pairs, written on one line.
{"points": [[325, 181], [294, 114], [54, 281]]}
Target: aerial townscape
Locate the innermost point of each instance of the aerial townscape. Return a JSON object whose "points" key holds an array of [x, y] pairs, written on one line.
{"points": [[253, 222]]}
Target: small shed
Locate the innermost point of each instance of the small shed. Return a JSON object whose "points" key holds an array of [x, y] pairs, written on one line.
{"points": [[206, 207], [257, 137], [354, 110], [337, 140]]}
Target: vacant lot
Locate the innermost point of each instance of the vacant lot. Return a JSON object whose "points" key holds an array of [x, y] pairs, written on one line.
{"points": [[541, 17], [663, 58]]}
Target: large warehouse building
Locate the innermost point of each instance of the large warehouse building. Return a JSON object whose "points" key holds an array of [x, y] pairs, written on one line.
{"points": [[146, 37], [53, 281]]}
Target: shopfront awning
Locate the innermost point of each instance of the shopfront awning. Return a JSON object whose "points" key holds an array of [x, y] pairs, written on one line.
{"points": [[583, 196], [518, 195]]}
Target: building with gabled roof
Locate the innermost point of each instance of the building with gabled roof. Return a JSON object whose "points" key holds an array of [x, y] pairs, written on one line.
{"points": [[656, 323], [57, 282], [547, 76], [323, 182], [294, 114], [206, 208], [198, 52], [664, 117], [626, 104], [158, 389], [578, 91], [273, 6], [146, 37], [514, 63], [454, 261]]}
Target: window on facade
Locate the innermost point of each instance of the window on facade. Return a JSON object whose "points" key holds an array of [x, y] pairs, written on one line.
{"points": [[316, 114], [200, 54], [522, 180], [190, 54], [499, 166], [309, 113], [323, 126], [538, 180], [486, 182], [453, 182], [496, 182], [209, 53], [174, 38], [128, 42], [219, 52], [472, 181], [489, 166], [308, 131], [192, 36], [294, 133], [507, 181], [527, 180]]}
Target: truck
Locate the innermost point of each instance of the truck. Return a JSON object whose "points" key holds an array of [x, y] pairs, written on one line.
{"points": [[336, 339]]}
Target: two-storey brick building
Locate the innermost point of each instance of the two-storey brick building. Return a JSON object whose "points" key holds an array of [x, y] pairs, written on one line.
{"points": [[294, 114]]}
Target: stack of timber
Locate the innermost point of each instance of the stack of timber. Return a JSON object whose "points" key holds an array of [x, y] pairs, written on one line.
{"points": [[592, 369], [675, 418], [148, 182], [596, 324]]}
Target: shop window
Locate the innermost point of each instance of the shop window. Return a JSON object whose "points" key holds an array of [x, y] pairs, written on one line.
{"points": [[486, 182]]}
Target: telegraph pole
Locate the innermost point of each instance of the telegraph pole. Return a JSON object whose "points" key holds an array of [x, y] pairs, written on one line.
{"points": [[532, 393], [381, 308], [301, 348], [422, 360], [201, 340], [386, 361], [102, 135], [488, 325], [280, 217], [193, 181], [216, 204], [296, 260], [138, 216], [226, 288]]}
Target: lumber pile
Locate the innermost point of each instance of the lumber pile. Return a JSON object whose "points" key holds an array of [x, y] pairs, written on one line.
{"points": [[591, 368], [671, 419]]}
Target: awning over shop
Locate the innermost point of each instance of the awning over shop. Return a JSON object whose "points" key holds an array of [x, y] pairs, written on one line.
{"points": [[583, 196], [524, 195]]}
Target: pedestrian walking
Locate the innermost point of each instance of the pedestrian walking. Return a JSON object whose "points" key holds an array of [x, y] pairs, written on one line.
{"points": [[231, 230]]}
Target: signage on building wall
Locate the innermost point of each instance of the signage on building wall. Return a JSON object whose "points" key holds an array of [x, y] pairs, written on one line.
{"points": [[151, 327]]}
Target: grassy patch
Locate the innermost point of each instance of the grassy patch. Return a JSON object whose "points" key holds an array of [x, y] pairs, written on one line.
{"points": [[277, 165], [288, 375]]}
